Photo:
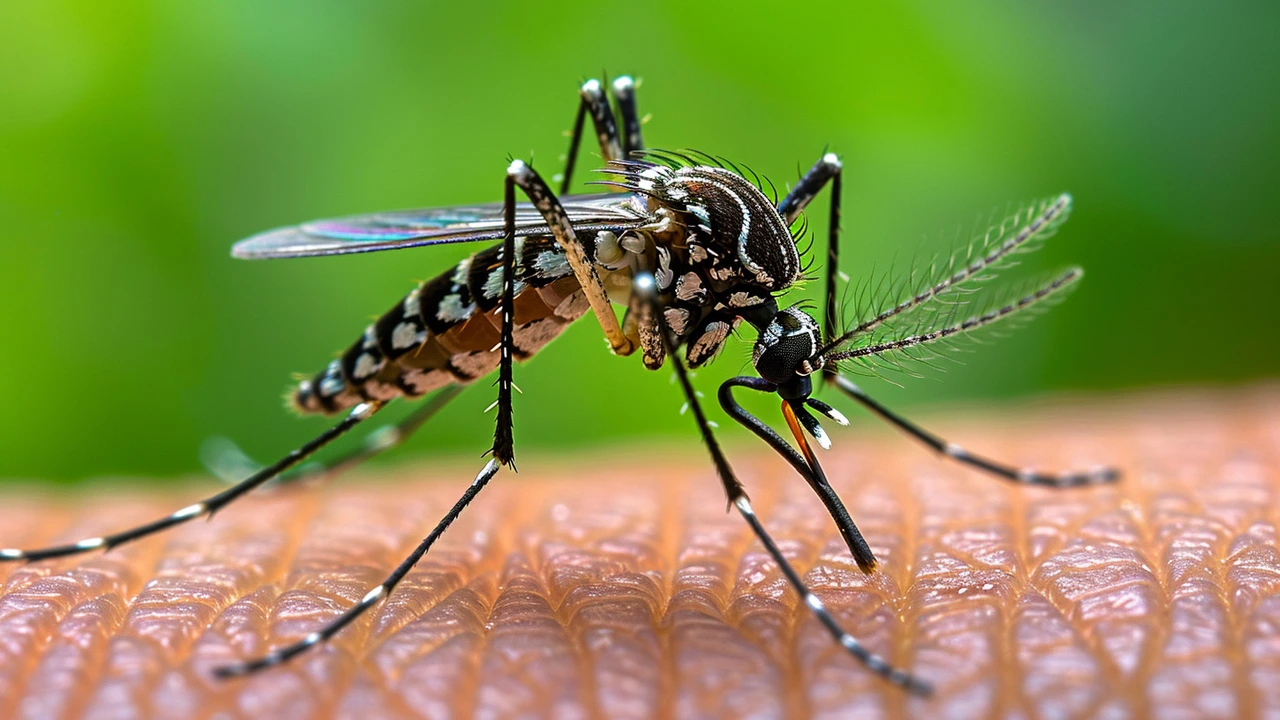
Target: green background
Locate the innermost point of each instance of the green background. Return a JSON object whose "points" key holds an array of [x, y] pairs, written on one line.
{"points": [[138, 141]]}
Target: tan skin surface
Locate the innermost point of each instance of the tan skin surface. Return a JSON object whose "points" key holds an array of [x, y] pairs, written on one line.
{"points": [[628, 591]]}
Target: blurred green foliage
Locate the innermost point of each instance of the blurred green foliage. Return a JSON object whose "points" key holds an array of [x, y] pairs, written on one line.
{"points": [[139, 140]]}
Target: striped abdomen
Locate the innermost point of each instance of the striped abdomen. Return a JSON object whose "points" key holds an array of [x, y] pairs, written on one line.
{"points": [[447, 330]]}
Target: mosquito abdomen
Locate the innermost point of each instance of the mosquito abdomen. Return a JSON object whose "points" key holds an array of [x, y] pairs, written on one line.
{"points": [[447, 330]]}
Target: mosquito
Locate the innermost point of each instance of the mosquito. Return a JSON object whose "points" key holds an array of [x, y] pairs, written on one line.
{"points": [[692, 248]]}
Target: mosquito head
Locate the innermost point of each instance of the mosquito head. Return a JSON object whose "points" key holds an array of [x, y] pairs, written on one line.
{"points": [[788, 351]]}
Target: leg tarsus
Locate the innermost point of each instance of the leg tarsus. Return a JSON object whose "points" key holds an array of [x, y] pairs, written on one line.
{"points": [[209, 505], [373, 597]]}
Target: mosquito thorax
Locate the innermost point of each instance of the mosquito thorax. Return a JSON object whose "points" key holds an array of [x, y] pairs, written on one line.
{"points": [[787, 350], [730, 222], [721, 250]]}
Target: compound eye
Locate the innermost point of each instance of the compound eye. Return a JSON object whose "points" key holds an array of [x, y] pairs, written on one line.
{"points": [[786, 347]]}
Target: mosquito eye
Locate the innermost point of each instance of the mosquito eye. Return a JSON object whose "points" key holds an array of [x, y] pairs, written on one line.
{"points": [[787, 343]]}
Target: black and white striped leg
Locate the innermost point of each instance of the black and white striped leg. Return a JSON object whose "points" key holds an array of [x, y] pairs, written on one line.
{"points": [[595, 102], [1096, 476], [872, 661], [275, 657], [644, 283], [827, 169], [375, 443], [807, 465], [579, 258], [206, 507]]}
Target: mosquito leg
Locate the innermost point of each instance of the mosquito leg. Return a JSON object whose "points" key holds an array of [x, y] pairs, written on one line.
{"points": [[806, 465], [503, 443], [209, 505], [575, 252], [1027, 477], [644, 283], [596, 104], [624, 91], [502, 450], [371, 598], [827, 169], [380, 440]]}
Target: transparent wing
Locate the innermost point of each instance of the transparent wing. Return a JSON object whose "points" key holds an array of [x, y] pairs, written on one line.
{"points": [[437, 226]]}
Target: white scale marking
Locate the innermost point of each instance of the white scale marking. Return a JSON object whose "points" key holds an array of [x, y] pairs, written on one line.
{"points": [[312, 639], [91, 543], [451, 309], [11, 553], [331, 385], [406, 335], [489, 469], [191, 511], [411, 304], [821, 436], [552, 264], [373, 595], [366, 366]]}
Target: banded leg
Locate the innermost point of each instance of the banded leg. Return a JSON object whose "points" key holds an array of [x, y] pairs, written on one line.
{"points": [[807, 466], [576, 254], [385, 437], [502, 450], [644, 283], [612, 145], [1027, 477], [827, 169], [375, 443], [275, 657], [209, 505]]}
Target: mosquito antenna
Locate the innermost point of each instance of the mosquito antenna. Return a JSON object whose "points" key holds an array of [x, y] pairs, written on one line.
{"points": [[971, 324], [1045, 221]]}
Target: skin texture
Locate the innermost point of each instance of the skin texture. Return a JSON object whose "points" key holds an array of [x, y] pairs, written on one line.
{"points": [[620, 587]]}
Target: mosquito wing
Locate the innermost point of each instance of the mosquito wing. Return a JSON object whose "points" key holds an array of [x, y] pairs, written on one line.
{"points": [[437, 226]]}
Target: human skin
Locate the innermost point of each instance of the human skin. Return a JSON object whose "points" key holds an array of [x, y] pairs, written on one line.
{"points": [[618, 586]]}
